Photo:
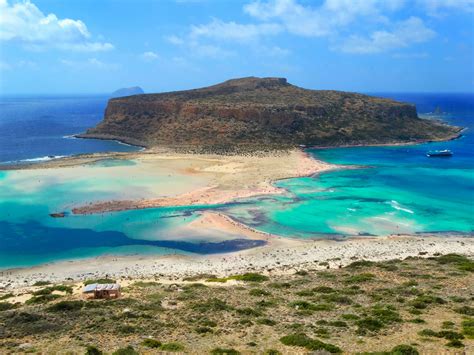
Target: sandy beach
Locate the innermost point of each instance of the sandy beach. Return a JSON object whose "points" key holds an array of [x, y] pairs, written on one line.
{"points": [[279, 256], [228, 178], [218, 179]]}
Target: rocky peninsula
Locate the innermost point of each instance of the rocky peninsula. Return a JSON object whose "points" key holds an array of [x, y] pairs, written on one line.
{"points": [[263, 113]]}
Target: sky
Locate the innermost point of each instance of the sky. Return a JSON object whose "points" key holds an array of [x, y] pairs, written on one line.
{"points": [[98, 46]]}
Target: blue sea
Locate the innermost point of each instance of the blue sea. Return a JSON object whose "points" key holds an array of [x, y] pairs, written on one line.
{"points": [[394, 190], [37, 128]]}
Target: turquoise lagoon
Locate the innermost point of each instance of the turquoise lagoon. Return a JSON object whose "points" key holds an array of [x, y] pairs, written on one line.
{"points": [[392, 190]]}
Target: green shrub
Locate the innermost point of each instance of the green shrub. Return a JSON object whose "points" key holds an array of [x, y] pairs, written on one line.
{"points": [[151, 343], [468, 311], [41, 283], [6, 296], [338, 323], [250, 277], [404, 350], [455, 344], [199, 277], [271, 352], [450, 335], [427, 333], [364, 277], [368, 324], [203, 330], [5, 306], [214, 304], [266, 321], [323, 289], [172, 347], [143, 284], [417, 321], [386, 314], [92, 350], [447, 325], [360, 264], [349, 316], [208, 323], [335, 298], [247, 311], [127, 329], [468, 328], [129, 350], [221, 351], [446, 334], [305, 293], [42, 299], [66, 306], [423, 301], [302, 340], [49, 290], [463, 263]]}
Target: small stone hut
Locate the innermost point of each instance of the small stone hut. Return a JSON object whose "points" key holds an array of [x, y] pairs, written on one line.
{"points": [[102, 290]]}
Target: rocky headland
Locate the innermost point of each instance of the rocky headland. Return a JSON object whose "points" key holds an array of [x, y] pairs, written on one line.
{"points": [[263, 113]]}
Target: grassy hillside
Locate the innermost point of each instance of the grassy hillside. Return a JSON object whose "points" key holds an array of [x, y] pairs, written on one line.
{"points": [[394, 307]]}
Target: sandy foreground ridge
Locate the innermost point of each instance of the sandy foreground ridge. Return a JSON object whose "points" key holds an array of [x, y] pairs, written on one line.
{"points": [[226, 178]]}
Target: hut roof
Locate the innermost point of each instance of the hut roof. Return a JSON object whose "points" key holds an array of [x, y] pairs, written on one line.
{"points": [[100, 287]]}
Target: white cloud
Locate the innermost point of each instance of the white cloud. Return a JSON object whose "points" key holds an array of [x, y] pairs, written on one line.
{"points": [[23, 64], [174, 40], [213, 39], [91, 63], [436, 7], [24, 22], [210, 51], [149, 56], [324, 20], [352, 26], [405, 33], [275, 51], [220, 30]]}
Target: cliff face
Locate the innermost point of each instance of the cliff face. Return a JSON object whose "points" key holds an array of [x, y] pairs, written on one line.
{"points": [[263, 112]]}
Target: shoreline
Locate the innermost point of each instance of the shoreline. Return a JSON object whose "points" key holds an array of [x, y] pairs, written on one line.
{"points": [[123, 140], [211, 195], [279, 256], [458, 135]]}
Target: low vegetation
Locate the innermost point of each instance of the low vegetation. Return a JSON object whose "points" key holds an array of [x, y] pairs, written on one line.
{"points": [[401, 307]]}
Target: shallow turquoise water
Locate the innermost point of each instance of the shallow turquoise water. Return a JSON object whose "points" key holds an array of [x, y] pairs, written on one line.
{"points": [[29, 236], [395, 190]]}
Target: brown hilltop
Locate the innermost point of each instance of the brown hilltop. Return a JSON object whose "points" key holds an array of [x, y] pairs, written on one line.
{"points": [[263, 112]]}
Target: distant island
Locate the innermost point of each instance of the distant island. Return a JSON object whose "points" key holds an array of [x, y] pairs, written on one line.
{"points": [[263, 112], [134, 90]]}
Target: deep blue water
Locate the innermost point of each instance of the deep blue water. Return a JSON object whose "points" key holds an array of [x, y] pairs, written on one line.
{"points": [[37, 127]]}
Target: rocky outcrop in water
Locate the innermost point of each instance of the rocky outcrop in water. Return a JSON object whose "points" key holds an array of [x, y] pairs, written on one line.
{"points": [[263, 112]]}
